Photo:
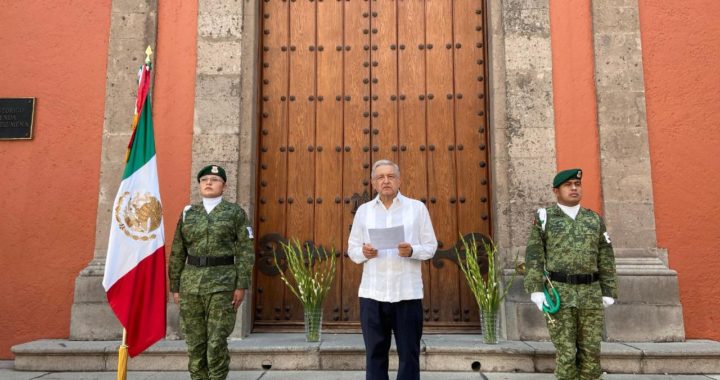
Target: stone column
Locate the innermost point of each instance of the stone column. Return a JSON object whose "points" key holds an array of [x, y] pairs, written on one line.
{"points": [[523, 137], [649, 307], [133, 26], [225, 105]]}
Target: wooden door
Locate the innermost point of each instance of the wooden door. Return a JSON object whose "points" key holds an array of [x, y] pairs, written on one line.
{"points": [[344, 84]]}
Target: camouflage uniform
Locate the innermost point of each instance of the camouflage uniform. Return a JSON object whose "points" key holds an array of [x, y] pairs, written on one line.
{"points": [[572, 246], [206, 293]]}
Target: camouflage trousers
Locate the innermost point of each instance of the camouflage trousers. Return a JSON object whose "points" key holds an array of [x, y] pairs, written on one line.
{"points": [[576, 335], [207, 321]]}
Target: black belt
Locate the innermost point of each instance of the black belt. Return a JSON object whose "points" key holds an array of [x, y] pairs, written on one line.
{"points": [[210, 261], [574, 279]]}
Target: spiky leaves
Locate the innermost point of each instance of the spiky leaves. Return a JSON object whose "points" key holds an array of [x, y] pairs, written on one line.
{"points": [[310, 272], [487, 289]]}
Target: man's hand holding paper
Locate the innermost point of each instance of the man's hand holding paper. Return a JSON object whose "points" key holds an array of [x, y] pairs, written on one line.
{"points": [[369, 252], [405, 249]]}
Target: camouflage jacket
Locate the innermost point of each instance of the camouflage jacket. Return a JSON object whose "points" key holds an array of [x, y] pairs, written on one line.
{"points": [[224, 232], [570, 246]]}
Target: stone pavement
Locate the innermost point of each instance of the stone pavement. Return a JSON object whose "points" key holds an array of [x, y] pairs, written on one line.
{"points": [[9, 374]]}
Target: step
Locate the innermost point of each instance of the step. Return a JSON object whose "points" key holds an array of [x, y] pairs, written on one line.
{"points": [[321, 375], [442, 352]]}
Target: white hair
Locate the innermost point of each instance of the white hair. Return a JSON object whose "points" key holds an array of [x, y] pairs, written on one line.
{"points": [[380, 163]]}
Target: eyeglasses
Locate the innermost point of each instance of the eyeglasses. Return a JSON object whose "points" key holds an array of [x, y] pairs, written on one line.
{"points": [[210, 179]]}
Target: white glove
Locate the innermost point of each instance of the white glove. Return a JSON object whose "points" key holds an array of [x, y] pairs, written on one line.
{"points": [[538, 298], [608, 301]]}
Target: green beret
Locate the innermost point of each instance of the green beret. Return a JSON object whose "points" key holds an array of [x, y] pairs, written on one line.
{"points": [[214, 170], [566, 175]]}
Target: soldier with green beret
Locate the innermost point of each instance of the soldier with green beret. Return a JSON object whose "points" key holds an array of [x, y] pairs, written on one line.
{"points": [[570, 250], [210, 268]]}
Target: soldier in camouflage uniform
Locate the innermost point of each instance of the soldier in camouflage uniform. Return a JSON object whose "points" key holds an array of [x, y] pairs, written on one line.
{"points": [[571, 245], [210, 268]]}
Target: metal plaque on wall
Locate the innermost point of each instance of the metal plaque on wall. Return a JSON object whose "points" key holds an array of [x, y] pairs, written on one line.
{"points": [[16, 118]]}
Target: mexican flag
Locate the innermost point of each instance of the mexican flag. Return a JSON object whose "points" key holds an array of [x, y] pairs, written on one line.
{"points": [[135, 266]]}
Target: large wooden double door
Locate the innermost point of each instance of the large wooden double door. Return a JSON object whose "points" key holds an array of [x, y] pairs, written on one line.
{"points": [[343, 84]]}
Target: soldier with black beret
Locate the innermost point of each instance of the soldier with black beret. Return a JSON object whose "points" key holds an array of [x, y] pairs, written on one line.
{"points": [[570, 248], [210, 268]]}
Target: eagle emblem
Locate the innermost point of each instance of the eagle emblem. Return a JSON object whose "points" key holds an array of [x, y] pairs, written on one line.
{"points": [[138, 215]]}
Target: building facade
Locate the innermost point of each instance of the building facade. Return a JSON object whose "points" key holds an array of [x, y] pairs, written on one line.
{"points": [[480, 102]]}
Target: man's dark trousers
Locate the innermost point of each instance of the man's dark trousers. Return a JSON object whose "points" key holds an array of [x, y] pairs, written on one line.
{"points": [[379, 320]]}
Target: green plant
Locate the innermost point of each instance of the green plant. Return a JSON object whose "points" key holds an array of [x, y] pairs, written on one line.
{"points": [[311, 275], [487, 289]]}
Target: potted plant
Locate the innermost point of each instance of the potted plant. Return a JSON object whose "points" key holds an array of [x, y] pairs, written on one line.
{"points": [[311, 274], [486, 288]]}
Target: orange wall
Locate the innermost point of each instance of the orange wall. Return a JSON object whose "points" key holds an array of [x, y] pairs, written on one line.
{"points": [[576, 135], [680, 41], [49, 196], [174, 105], [49, 202]]}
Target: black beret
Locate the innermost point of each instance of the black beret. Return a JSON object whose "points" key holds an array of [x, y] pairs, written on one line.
{"points": [[566, 175], [214, 170]]}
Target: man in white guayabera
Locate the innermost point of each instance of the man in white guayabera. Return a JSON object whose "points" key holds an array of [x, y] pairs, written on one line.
{"points": [[391, 289]]}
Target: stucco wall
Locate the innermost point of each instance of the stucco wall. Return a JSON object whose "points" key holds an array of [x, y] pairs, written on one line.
{"points": [[576, 134], [49, 202], [682, 81], [49, 195], [174, 99]]}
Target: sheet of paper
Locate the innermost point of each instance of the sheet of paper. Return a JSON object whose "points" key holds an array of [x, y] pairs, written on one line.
{"points": [[386, 238]]}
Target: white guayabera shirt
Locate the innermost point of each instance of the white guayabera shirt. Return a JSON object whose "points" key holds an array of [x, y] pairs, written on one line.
{"points": [[389, 277]]}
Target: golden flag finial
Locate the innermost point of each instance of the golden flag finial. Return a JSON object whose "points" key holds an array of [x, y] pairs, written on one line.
{"points": [[148, 53]]}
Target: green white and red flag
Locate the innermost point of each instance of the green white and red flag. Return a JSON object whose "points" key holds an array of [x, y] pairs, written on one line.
{"points": [[134, 277]]}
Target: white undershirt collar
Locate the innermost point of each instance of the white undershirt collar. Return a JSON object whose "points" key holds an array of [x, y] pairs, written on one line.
{"points": [[210, 203], [570, 211]]}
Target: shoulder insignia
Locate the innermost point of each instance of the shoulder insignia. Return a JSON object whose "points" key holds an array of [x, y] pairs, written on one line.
{"points": [[542, 215], [607, 237], [250, 232], [185, 210]]}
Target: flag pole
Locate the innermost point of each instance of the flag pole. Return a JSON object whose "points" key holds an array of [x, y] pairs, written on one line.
{"points": [[122, 358]]}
